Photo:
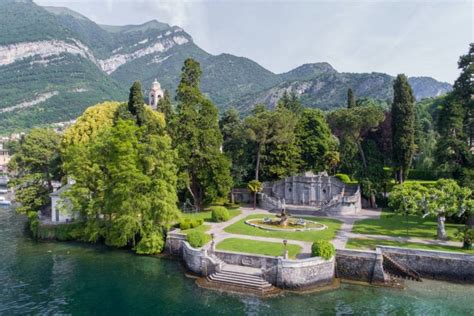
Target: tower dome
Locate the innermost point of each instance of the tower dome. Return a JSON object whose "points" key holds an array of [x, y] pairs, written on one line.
{"points": [[156, 93]]}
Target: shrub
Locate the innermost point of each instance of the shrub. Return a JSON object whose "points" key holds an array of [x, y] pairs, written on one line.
{"points": [[197, 239], [150, 245], [323, 249], [343, 177], [219, 214], [188, 223]]}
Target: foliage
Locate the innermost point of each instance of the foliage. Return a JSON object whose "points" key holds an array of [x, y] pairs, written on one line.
{"points": [[126, 176], [187, 223], [291, 103], [343, 177], [197, 239], [265, 248], [220, 214], [136, 105], [323, 249], [150, 244], [445, 198], [466, 235], [90, 123], [403, 126], [35, 165], [351, 100], [315, 141], [204, 169]]}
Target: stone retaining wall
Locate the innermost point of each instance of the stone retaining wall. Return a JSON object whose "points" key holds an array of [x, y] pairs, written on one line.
{"points": [[437, 265], [359, 265], [305, 272]]}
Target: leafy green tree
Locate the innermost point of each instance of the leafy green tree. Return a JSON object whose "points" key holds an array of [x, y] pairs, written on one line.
{"points": [[446, 198], [332, 159], [35, 164], [235, 145], [351, 100], [315, 141], [204, 169], [136, 105], [403, 126], [255, 187]]}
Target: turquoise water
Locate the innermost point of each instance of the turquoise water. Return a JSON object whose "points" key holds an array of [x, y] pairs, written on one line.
{"points": [[72, 278]]}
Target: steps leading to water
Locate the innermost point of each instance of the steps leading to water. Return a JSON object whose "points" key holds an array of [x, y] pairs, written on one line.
{"points": [[239, 279], [397, 269]]}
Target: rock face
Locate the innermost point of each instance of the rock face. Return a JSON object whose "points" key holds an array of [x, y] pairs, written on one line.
{"points": [[57, 62]]}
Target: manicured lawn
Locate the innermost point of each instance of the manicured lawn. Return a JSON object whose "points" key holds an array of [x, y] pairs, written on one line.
{"points": [[202, 228], [206, 215], [328, 234], [392, 224], [363, 243], [258, 247]]}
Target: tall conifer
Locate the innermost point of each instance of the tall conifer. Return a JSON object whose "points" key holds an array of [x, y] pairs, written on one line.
{"points": [[403, 126], [351, 100]]}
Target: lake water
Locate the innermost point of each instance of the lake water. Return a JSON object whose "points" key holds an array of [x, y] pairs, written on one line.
{"points": [[78, 279]]}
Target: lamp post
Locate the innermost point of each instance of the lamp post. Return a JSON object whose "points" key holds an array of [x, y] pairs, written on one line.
{"points": [[285, 253], [213, 244]]}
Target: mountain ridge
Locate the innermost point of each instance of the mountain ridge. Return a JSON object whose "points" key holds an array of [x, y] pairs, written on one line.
{"points": [[61, 54]]}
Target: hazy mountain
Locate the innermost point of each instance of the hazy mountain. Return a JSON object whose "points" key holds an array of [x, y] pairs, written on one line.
{"points": [[55, 62]]}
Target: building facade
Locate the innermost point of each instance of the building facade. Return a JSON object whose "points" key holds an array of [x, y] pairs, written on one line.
{"points": [[155, 94]]}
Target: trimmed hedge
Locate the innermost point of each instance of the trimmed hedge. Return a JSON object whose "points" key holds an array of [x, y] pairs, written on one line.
{"points": [[197, 239], [187, 223], [219, 214], [323, 249], [343, 177]]}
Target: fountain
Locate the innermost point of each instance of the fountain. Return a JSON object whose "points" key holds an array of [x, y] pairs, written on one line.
{"points": [[284, 222]]}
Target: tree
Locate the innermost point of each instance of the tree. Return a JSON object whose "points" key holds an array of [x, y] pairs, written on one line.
{"points": [[164, 106], [291, 102], [351, 100], [315, 141], [353, 124], [235, 145], [332, 159], [35, 164], [125, 190], [445, 198], [136, 105], [204, 170], [89, 124], [403, 126], [255, 186], [258, 128]]}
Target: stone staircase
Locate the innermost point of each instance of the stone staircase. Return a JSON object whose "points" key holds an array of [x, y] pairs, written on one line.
{"points": [[397, 269], [239, 279]]}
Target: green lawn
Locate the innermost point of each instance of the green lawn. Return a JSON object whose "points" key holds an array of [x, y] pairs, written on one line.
{"points": [[392, 224], [364, 243], [202, 228], [206, 215], [258, 247], [328, 234]]}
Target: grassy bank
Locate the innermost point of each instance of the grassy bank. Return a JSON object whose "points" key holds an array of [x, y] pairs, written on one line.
{"points": [[274, 249]]}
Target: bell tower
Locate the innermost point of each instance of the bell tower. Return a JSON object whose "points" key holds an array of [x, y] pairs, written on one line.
{"points": [[156, 93]]}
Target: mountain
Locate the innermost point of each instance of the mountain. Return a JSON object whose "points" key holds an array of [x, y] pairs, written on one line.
{"points": [[55, 62]]}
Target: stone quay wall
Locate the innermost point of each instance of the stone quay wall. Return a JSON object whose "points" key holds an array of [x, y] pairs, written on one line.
{"points": [[438, 265], [359, 265], [283, 273]]}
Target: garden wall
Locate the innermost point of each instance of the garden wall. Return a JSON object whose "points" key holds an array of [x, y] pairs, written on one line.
{"points": [[437, 265], [359, 265]]}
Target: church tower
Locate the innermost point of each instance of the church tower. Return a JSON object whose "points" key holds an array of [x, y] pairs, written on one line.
{"points": [[155, 94]]}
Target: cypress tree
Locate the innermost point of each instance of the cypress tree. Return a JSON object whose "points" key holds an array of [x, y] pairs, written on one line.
{"points": [[403, 126], [136, 105], [351, 100], [164, 106]]}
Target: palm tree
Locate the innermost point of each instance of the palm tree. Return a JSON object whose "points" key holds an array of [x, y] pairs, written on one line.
{"points": [[255, 186]]}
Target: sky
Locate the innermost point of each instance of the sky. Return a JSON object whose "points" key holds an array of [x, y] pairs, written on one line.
{"points": [[415, 37]]}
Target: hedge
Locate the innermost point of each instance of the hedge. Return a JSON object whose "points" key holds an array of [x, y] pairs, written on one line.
{"points": [[188, 223], [197, 239], [323, 249], [219, 214]]}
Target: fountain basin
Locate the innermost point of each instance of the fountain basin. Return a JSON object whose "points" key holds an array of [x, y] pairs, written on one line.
{"points": [[293, 224]]}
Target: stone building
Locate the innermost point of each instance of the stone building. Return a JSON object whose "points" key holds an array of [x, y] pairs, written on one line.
{"points": [[61, 208], [311, 192], [155, 94]]}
